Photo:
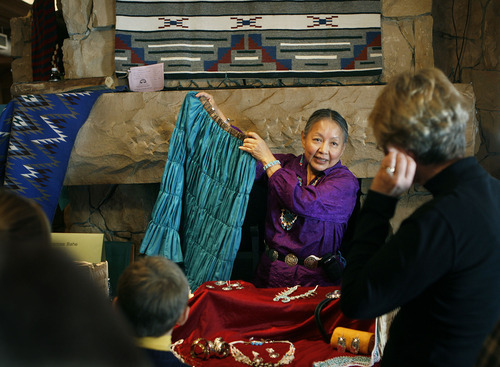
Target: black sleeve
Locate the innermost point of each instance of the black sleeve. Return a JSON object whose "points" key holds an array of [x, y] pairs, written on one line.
{"points": [[385, 272]]}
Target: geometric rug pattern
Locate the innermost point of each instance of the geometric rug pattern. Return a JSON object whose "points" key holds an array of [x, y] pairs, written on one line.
{"points": [[250, 39]]}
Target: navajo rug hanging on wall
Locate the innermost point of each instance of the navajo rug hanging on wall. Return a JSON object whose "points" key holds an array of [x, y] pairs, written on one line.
{"points": [[250, 39], [37, 133]]}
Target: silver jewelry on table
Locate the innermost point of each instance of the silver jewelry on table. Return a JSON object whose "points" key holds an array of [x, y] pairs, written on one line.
{"points": [[229, 286], [272, 353], [355, 344], [335, 294], [225, 285], [239, 356], [341, 344], [257, 360], [285, 297]]}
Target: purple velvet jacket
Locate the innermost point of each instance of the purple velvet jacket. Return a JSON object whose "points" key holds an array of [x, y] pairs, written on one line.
{"points": [[322, 210]]}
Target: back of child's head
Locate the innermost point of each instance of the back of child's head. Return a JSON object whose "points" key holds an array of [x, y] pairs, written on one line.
{"points": [[153, 293]]}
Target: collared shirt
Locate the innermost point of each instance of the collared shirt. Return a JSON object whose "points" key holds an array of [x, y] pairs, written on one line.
{"points": [[156, 343], [322, 211]]}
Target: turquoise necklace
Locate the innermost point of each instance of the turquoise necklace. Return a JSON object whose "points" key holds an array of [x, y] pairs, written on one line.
{"points": [[288, 218]]}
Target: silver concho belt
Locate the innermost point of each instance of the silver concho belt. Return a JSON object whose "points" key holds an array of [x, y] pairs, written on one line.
{"points": [[310, 262]]}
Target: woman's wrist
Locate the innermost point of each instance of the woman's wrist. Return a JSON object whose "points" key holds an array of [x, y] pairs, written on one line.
{"points": [[271, 163]]}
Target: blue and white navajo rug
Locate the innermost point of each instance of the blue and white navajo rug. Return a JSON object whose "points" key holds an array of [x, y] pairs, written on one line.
{"points": [[250, 38], [37, 133]]}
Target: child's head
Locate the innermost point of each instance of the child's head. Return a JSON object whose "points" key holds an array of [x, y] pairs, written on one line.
{"points": [[153, 293]]}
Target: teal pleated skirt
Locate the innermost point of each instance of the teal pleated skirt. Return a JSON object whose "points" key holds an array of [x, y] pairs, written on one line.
{"points": [[201, 206]]}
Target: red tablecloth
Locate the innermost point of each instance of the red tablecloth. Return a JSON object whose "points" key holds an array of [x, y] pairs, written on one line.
{"points": [[241, 314]]}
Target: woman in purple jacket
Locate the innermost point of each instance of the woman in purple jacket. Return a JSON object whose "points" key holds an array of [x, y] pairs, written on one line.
{"points": [[310, 200]]}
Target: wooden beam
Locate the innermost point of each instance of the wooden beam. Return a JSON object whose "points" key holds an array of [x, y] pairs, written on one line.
{"points": [[18, 89]]}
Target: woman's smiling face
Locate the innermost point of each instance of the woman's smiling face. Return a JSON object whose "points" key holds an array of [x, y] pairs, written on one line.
{"points": [[323, 145]]}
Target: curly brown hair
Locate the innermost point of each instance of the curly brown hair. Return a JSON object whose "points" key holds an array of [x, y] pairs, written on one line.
{"points": [[423, 114]]}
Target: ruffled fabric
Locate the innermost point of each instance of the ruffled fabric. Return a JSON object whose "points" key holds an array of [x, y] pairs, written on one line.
{"points": [[203, 197]]}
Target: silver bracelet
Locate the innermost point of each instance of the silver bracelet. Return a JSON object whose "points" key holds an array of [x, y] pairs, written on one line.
{"points": [[270, 164]]}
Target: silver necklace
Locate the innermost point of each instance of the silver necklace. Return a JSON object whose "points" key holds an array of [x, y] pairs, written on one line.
{"points": [[284, 296]]}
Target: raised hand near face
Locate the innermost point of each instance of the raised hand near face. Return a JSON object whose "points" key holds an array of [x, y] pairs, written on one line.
{"points": [[396, 173]]}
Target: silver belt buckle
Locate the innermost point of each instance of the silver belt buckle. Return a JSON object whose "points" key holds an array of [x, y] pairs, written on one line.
{"points": [[291, 260]]}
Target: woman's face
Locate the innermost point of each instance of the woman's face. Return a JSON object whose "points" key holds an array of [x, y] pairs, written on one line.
{"points": [[323, 145]]}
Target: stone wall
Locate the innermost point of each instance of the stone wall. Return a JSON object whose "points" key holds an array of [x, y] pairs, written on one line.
{"points": [[473, 26], [125, 138], [21, 49], [406, 36], [90, 49]]}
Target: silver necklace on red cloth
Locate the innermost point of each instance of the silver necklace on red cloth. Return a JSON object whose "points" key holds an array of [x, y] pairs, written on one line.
{"points": [[288, 218], [285, 297], [226, 285], [258, 360]]}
